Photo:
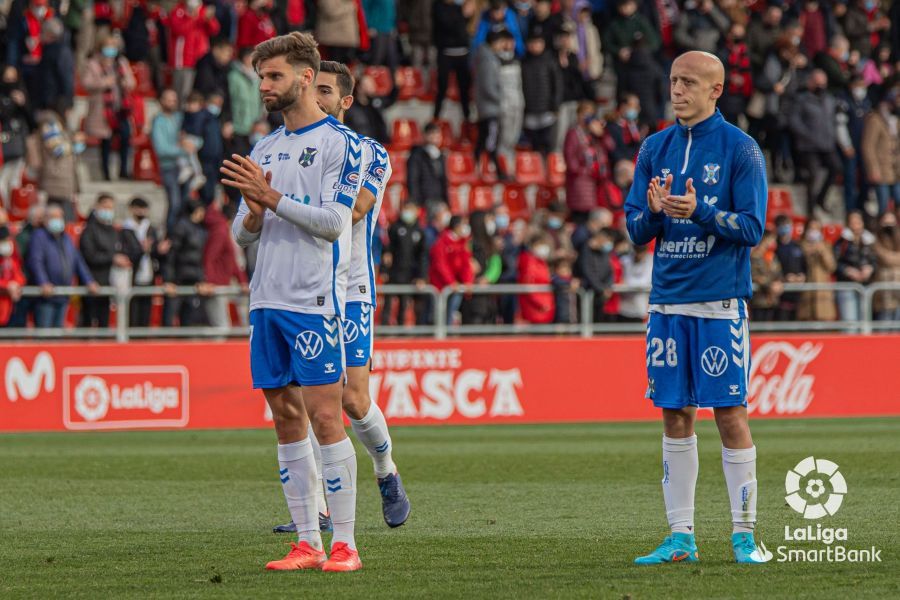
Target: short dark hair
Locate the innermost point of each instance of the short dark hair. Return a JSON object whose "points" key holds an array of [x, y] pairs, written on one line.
{"points": [[244, 53], [219, 42], [431, 127], [105, 196], [138, 202], [299, 49], [782, 220], [195, 96], [345, 79], [455, 221]]}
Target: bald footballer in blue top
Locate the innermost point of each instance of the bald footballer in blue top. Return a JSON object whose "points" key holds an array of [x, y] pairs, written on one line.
{"points": [[700, 192]]}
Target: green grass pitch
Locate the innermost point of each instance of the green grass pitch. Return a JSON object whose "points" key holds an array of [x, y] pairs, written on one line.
{"points": [[503, 511]]}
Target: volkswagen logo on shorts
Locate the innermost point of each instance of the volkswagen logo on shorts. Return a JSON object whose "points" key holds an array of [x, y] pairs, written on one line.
{"points": [[351, 331], [310, 345], [714, 361]]}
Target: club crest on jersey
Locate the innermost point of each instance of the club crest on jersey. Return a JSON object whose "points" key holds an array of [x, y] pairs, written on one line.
{"points": [[267, 160], [711, 174], [308, 156], [353, 177]]}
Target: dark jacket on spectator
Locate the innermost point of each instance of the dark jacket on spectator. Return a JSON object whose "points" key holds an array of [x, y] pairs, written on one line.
{"points": [[838, 75], [761, 39], [368, 118], [573, 86], [55, 260], [812, 121], [16, 122], [541, 83], [701, 31], [134, 250], [212, 77], [99, 243], [596, 269], [450, 27], [219, 259], [205, 125], [56, 72], [451, 261], [409, 255], [850, 253], [426, 177], [184, 263]]}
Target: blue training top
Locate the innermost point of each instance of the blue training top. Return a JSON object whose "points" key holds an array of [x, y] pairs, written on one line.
{"points": [[707, 257]]}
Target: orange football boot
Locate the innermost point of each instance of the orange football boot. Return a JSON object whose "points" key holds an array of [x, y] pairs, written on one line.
{"points": [[343, 558], [301, 556]]}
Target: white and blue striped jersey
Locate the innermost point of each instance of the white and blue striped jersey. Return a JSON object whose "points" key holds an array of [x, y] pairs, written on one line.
{"points": [[317, 165], [376, 172]]}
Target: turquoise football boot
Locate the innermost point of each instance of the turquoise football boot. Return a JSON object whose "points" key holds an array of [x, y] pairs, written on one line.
{"points": [[677, 547], [746, 551]]}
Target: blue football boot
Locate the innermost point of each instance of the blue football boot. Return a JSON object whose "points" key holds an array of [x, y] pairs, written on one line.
{"points": [[394, 501], [746, 551], [677, 547]]}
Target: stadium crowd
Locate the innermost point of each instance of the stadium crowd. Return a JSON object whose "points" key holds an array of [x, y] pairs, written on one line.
{"points": [[555, 98]]}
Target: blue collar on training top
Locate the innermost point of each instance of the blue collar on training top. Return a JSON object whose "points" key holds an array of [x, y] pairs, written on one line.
{"points": [[705, 126]]}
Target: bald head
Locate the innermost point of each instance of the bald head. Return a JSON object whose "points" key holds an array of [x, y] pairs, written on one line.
{"points": [[696, 83], [706, 65]]}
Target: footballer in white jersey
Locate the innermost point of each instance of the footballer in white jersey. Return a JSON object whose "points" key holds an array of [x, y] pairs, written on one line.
{"points": [[299, 186]]}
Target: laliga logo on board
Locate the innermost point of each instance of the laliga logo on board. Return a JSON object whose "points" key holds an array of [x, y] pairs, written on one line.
{"points": [[125, 397], [778, 383]]}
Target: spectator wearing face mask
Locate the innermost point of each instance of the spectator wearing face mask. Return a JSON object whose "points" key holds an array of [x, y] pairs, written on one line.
{"points": [[102, 250], [543, 91], [855, 263], [793, 266], [499, 16], [534, 269], [812, 121], [488, 99], [190, 26], [255, 24], [597, 269], [765, 269], [406, 262], [16, 123], [637, 271], [738, 74], [426, 170], [887, 267], [54, 260], [201, 122], [60, 151], [881, 150], [559, 234], [451, 263], [24, 49], [853, 106], [820, 265], [11, 276], [481, 309], [627, 134], [835, 62], [512, 236], [142, 245]]}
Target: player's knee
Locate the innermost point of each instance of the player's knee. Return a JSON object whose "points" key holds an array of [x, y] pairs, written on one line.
{"points": [[326, 423], [355, 399]]}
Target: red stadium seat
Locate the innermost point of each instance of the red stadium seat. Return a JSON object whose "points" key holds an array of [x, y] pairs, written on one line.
{"points": [[405, 134], [394, 198], [412, 84], [556, 169], [461, 168], [455, 200], [488, 170], [21, 199], [529, 168], [398, 166], [832, 232], [779, 203], [515, 200], [144, 79], [447, 136], [146, 166], [481, 197], [468, 135], [546, 195], [74, 230], [381, 77]]}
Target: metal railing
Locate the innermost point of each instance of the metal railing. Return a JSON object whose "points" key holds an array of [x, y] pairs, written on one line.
{"points": [[439, 301]]}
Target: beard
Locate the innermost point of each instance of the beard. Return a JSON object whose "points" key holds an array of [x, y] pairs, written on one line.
{"points": [[284, 101]]}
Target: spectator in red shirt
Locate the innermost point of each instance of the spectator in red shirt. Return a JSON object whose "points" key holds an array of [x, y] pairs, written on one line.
{"points": [[536, 307], [190, 28], [812, 20], [255, 24], [220, 263], [738, 78], [11, 277], [23, 42], [451, 262]]}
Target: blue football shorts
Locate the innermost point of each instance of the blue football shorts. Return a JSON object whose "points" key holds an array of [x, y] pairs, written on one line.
{"points": [[695, 361], [358, 333], [288, 347]]}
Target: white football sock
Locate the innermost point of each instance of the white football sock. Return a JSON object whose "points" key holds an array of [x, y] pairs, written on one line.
{"points": [[740, 477], [320, 489], [372, 431], [298, 480], [680, 468], [339, 471]]}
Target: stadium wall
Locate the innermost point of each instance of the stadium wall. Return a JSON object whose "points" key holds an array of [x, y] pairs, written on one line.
{"points": [[196, 385]]}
